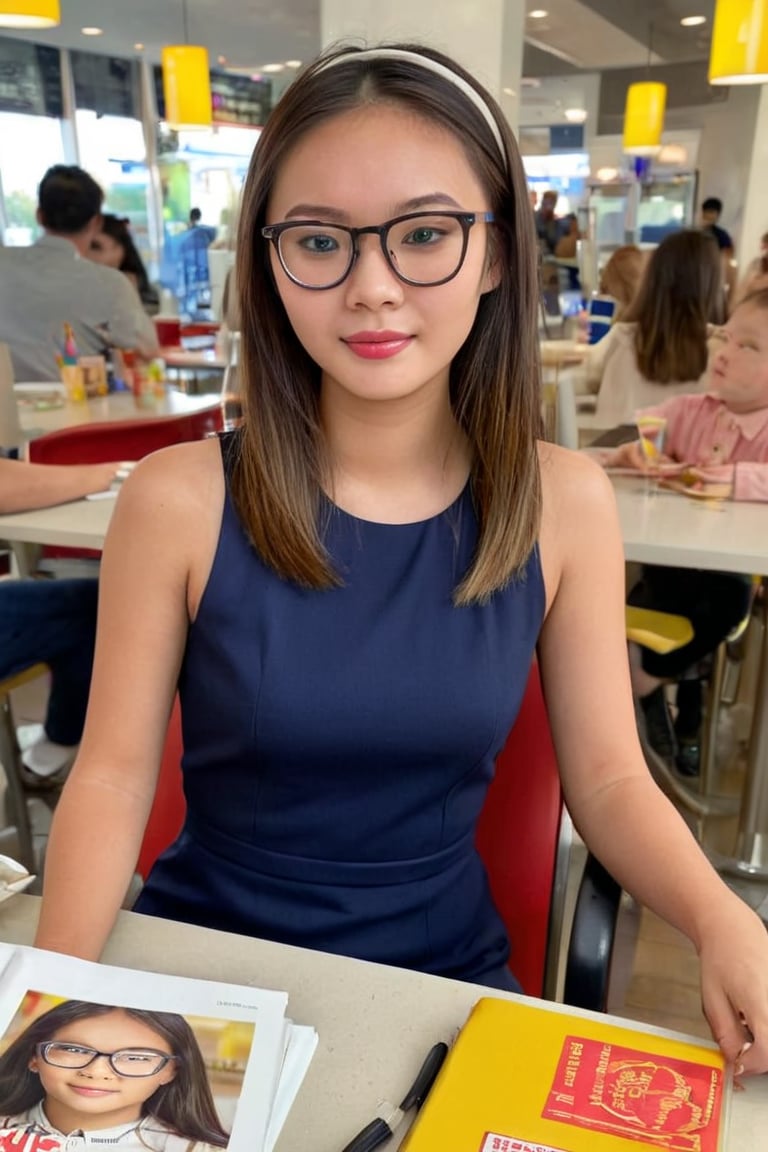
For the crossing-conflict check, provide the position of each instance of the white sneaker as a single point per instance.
(45, 758)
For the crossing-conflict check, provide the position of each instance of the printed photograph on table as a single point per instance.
(138, 1078)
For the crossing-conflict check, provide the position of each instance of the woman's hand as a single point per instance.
(734, 984)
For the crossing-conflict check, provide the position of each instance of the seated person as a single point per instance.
(51, 621)
(46, 285)
(660, 349)
(113, 246)
(723, 437)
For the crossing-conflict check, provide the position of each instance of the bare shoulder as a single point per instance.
(176, 481)
(578, 504)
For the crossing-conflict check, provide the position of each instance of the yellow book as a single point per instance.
(524, 1077)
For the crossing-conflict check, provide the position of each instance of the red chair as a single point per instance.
(523, 837)
(123, 439)
(119, 440)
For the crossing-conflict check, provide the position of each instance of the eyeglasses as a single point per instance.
(423, 249)
(126, 1061)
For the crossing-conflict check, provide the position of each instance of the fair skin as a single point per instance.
(397, 456)
(24, 487)
(106, 250)
(97, 1097)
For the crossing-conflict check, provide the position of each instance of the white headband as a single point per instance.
(431, 66)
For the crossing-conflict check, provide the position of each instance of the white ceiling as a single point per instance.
(577, 36)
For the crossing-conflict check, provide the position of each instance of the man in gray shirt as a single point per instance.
(50, 283)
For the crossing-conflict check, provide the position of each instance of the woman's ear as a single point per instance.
(33, 1066)
(492, 275)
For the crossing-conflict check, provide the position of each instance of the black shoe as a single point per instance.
(688, 758)
(659, 730)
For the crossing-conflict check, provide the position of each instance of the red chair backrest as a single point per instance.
(123, 439)
(517, 834)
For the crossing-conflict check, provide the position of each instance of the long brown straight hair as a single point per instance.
(680, 293)
(494, 379)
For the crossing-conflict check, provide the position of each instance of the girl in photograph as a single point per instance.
(114, 1076)
(349, 592)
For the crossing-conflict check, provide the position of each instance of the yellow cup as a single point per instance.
(72, 379)
(651, 430)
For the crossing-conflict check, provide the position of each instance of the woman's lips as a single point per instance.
(92, 1092)
(377, 345)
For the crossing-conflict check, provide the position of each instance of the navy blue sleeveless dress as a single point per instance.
(338, 746)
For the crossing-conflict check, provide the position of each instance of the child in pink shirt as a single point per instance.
(722, 437)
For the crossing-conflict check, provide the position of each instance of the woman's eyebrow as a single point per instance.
(337, 215)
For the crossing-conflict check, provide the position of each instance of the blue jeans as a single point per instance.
(52, 621)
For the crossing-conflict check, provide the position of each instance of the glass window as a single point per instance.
(112, 150)
(29, 145)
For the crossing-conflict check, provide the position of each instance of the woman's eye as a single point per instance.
(73, 1049)
(421, 236)
(320, 244)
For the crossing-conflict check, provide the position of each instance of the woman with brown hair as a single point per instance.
(350, 590)
(659, 349)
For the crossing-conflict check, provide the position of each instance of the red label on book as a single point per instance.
(659, 1101)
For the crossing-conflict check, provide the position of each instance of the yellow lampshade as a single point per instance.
(739, 53)
(644, 118)
(29, 13)
(186, 86)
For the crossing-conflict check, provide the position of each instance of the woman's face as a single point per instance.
(375, 337)
(106, 250)
(96, 1096)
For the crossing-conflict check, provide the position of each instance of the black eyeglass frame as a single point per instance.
(43, 1048)
(273, 232)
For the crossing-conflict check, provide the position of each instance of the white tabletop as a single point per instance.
(661, 527)
(36, 421)
(81, 524)
(375, 1024)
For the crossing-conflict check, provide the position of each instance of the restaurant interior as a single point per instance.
(631, 117)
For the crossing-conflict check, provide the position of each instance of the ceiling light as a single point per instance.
(273, 67)
(186, 82)
(221, 59)
(644, 118)
(509, 91)
(138, 46)
(607, 173)
(293, 63)
(739, 53)
(575, 115)
(538, 14)
(29, 13)
(89, 30)
(693, 21)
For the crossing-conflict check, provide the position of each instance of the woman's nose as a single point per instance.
(372, 282)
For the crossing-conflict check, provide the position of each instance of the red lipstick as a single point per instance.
(379, 344)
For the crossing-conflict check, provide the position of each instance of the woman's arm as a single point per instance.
(24, 487)
(156, 561)
(624, 818)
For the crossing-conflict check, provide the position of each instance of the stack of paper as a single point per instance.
(112, 1056)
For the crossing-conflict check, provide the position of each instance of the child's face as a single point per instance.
(740, 366)
(96, 1096)
(360, 168)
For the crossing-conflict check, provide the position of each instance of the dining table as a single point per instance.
(669, 528)
(375, 1023)
(44, 407)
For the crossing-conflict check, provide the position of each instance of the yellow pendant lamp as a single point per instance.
(644, 118)
(29, 13)
(739, 53)
(186, 83)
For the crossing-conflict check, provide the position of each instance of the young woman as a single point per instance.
(659, 348)
(123, 1076)
(114, 246)
(349, 592)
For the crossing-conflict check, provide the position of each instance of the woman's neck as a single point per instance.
(393, 461)
(66, 1119)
